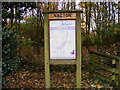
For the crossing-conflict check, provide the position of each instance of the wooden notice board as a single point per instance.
(62, 41)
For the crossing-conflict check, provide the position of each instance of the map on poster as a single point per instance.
(62, 39)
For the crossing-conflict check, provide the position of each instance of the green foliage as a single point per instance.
(112, 35)
(25, 41)
(87, 41)
(31, 32)
(107, 37)
(10, 60)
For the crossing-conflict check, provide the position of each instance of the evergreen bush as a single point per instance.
(10, 59)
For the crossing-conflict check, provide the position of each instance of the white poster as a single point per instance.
(62, 39)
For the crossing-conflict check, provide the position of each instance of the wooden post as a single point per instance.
(117, 67)
(78, 52)
(46, 52)
(119, 75)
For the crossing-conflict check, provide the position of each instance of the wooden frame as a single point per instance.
(76, 61)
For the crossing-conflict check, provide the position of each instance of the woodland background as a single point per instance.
(23, 36)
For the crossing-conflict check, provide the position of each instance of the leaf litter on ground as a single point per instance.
(28, 79)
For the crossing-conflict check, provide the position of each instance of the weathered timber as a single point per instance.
(63, 11)
(46, 45)
(104, 55)
(114, 70)
(103, 77)
(119, 75)
(106, 67)
(78, 51)
(63, 62)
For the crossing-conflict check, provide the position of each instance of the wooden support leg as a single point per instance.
(78, 57)
(47, 75)
(46, 51)
(119, 75)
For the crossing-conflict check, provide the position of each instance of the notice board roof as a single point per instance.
(63, 11)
